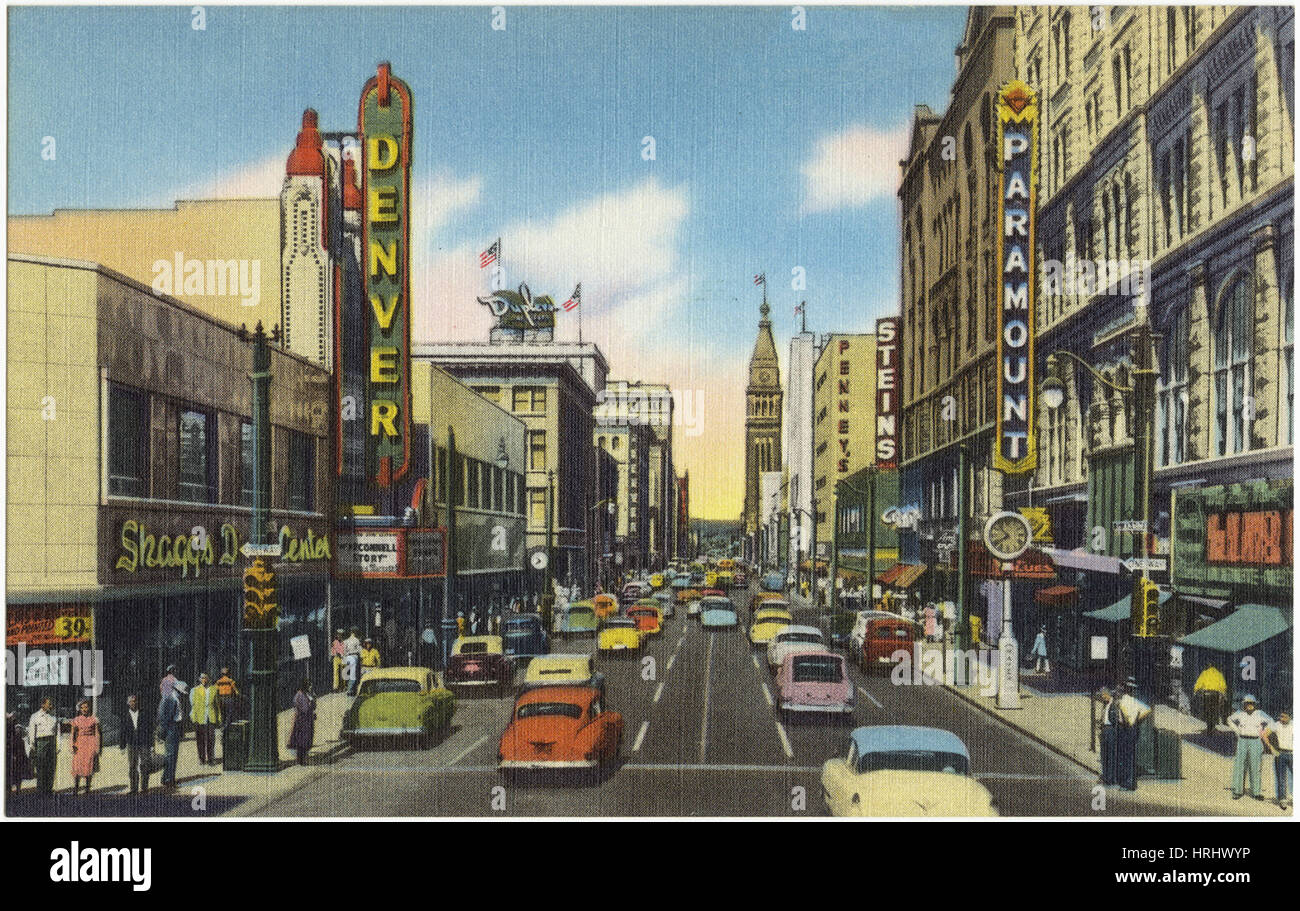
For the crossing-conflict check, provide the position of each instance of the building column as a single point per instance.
(1268, 340)
(1199, 368)
(1273, 144)
(1200, 165)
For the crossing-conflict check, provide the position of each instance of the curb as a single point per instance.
(322, 761)
(1031, 735)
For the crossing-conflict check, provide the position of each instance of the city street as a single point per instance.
(701, 738)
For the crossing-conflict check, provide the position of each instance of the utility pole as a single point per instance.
(962, 638)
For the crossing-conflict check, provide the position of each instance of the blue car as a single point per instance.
(718, 613)
(524, 636)
(773, 582)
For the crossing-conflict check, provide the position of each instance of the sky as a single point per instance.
(774, 149)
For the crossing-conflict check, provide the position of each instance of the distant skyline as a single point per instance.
(774, 149)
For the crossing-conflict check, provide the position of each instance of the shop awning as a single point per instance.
(1121, 609)
(889, 575)
(1081, 559)
(1056, 595)
(1247, 626)
(901, 575)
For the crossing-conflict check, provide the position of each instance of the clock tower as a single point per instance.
(762, 418)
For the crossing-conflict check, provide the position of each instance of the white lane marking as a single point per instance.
(785, 741)
(874, 701)
(1027, 776)
(469, 749)
(669, 666)
(767, 694)
(754, 658)
(708, 686)
(640, 736)
(688, 767)
(659, 692)
(631, 766)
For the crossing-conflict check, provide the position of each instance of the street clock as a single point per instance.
(538, 559)
(1007, 535)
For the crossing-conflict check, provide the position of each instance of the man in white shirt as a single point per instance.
(1108, 713)
(1130, 712)
(352, 660)
(1249, 725)
(1279, 742)
(43, 738)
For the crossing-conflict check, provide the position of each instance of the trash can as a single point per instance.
(1169, 755)
(1146, 747)
(234, 746)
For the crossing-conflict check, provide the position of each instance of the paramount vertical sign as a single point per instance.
(384, 122)
(1014, 447)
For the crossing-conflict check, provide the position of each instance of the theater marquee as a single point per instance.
(1015, 450)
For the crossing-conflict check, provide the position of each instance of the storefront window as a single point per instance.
(128, 441)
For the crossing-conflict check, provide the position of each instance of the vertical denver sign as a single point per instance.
(384, 122)
(1015, 449)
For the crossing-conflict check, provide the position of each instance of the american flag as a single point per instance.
(760, 279)
(799, 309)
(574, 299)
(490, 255)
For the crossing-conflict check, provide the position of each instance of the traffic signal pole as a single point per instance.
(1145, 602)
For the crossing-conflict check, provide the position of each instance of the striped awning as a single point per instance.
(1056, 595)
(901, 575)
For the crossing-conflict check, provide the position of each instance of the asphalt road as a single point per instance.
(701, 738)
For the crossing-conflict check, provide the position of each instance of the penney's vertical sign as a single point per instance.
(1015, 450)
(887, 384)
(384, 122)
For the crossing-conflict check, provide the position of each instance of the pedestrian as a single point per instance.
(205, 712)
(18, 768)
(1210, 689)
(227, 693)
(303, 731)
(168, 681)
(137, 742)
(1039, 652)
(473, 621)
(352, 660)
(336, 655)
(86, 744)
(369, 657)
(460, 623)
(43, 744)
(1280, 745)
(1108, 713)
(1249, 724)
(169, 732)
(1130, 713)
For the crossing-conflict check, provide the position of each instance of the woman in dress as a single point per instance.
(304, 721)
(85, 746)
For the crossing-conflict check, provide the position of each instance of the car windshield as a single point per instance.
(818, 669)
(914, 761)
(799, 637)
(619, 623)
(555, 709)
(561, 671)
(519, 626)
(889, 632)
(374, 687)
(578, 611)
(473, 648)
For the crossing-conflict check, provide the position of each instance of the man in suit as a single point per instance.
(1131, 713)
(169, 731)
(137, 741)
(1108, 716)
(205, 712)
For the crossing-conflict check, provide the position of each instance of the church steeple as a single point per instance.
(763, 397)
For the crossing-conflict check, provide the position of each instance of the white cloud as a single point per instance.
(252, 180)
(853, 167)
(439, 200)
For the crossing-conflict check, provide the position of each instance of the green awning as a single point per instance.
(1121, 610)
(1247, 626)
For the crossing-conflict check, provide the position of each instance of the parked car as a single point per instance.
(525, 636)
(606, 605)
(717, 613)
(895, 770)
(792, 639)
(562, 670)
(645, 614)
(884, 641)
(398, 702)
(859, 632)
(773, 599)
(578, 618)
(619, 634)
(774, 582)
(814, 682)
(768, 621)
(563, 727)
(480, 661)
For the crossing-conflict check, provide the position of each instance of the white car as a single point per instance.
(793, 640)
(859, 632)
(693, 609)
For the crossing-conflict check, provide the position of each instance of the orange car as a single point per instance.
(687, 595)
(561, 727)
(606, 606)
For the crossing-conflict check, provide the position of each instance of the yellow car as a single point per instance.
(710, 580)
(657, 580)
(767, 623)
(619, 634)
(897, 770)
(562, 670)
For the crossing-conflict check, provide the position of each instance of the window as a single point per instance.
(537, 505)
(302, 472)
(491, 393)
(440, 477)
(498, 482)
(246, 463)
(537, 450)
(530, 399)
(1171, 394)
(1233, 376)
(520, 507)
(197, 477)
(128, 442)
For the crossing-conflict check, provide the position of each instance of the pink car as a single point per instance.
(814, 682)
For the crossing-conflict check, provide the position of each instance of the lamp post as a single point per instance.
(1142, 396)
(449, 627)
(548, 592)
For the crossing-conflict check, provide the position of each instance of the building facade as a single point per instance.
(798, 411)
(844, 420)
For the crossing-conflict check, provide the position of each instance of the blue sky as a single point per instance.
(775, 148)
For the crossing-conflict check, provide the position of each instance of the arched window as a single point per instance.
(1171, 393)
(1233, 375)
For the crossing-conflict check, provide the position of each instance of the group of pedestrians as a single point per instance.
(1121, 714)
(353, 658)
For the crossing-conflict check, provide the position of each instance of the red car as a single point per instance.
(561, 727)
(884, 638)
(714, 592)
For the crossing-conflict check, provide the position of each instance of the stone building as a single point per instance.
(762, 424)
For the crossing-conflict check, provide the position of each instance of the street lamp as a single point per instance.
(503, 457)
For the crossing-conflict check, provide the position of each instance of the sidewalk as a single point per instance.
(247, 792)
(1060, 722)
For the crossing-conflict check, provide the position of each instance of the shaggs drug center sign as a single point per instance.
(1014, 447)
(384, 122)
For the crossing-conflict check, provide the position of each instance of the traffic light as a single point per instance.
(1146, 608)
(260, 606)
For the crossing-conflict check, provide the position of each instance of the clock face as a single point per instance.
(765, 377)
(1007, 535)
(539, 559)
